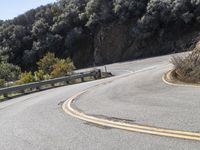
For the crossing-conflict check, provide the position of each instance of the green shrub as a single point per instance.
(2, 82)
(26, 77)
(39, 75)
(46, 63)
(9, 72)
(51, 67)
(47, 77)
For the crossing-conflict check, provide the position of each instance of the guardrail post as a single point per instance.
(38, 88)
(31, 89)
(82, 79)
(22, 91)
(105, 68)
(97, 74)
(95, 77)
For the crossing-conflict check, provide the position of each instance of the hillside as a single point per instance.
(100, 31)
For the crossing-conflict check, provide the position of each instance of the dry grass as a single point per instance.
(188, 68)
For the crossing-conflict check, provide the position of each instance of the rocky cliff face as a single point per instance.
(114, 43)
(111, 42)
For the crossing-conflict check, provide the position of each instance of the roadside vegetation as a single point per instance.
(188, 68)
(68, 28)
(38, 44)
(48, 67)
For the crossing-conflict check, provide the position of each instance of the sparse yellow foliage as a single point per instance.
(26, 77)
(39, 75)
(2, 82)
(62, 67)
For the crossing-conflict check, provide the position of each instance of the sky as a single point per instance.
(12, 8)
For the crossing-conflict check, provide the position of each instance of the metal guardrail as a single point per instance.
(37, 85)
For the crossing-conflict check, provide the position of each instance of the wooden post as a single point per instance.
(99, 74)
(105, 68)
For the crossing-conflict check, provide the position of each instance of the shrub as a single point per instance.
(9, 72)
(62, 67)
(188, 68)
(46, 63)
(2, 82)
(47, 77)
(26, 77)
(39, 75)
(50, 66)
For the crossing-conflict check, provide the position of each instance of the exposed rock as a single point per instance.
(111, 42)
(114, 43)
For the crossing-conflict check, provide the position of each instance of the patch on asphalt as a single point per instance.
(96, 125)
(61, 103)
(115, 119)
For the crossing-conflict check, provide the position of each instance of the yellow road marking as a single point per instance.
(67, 107)
(177, 84)
(126, 126)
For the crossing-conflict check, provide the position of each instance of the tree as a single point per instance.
(1, 22)
(126, 9)
(98, 11)
(63, 25)
(40, 27)
(29, 58)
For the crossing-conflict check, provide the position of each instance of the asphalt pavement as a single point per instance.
(38, 122)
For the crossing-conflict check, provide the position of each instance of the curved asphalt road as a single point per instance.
(37, 121)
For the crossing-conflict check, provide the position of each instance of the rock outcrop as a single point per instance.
(114, 43)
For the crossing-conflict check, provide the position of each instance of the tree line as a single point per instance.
(60, 27)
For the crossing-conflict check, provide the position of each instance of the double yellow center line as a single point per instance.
(67, 107)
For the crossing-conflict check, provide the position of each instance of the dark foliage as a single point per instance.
(64, 27)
